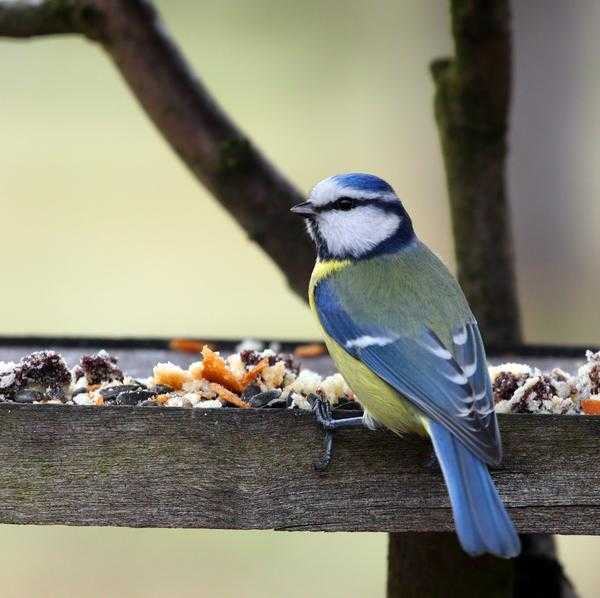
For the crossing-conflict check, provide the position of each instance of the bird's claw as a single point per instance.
(325, 461)
(431, 462)
(323, 416)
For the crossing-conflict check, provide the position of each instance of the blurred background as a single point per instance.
(104, 232)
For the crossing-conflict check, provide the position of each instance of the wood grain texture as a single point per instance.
(251, 469)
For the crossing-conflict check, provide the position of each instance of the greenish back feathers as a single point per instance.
(402, 291)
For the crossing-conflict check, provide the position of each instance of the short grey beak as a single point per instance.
(304, 209)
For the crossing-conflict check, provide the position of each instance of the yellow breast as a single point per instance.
(320, 271)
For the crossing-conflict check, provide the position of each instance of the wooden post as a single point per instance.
(471, 108)
(433, 564)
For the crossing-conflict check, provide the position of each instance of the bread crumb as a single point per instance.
(193, 398)
(215, 404)
(333, 388)
(236, 365)
(201, 388)
(171, 375)
(300, 402)
(307, 382)
(174, 401)
(273, 375)
(195, 370)
(83, 399)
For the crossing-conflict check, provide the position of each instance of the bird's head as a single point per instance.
(355, 216)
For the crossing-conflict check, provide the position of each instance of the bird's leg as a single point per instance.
(432, 462)
(324, 417)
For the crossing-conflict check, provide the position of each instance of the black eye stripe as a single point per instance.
(342, 204)
(380, 203)
(345, 203)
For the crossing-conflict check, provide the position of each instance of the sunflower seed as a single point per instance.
(112, 392)
(133, 397)
(29, 396)
(263, 399)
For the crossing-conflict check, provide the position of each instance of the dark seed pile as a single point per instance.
(98, 368)
(519, 388)
(41, 374)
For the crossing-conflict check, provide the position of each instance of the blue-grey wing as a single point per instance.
(450, 385)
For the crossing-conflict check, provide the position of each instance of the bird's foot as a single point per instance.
(431, 461)
(323, 414)
(324, 417)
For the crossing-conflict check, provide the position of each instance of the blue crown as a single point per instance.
(363, 182)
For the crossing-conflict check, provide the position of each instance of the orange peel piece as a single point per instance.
(591, 406)
(161, 399)
(252, 374)
(228, 396)
(310, 350)
(214, 369)
(186, 345)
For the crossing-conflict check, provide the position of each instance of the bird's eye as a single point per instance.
(345, 203)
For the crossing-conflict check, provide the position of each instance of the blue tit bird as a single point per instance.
(401, 332)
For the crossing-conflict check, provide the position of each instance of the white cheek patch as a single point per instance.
(309, 229)
(357, 231)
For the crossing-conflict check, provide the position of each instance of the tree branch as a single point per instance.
(471, 107)
(29, 18)
(220, 155)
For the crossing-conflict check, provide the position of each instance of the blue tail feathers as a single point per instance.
(482, 523)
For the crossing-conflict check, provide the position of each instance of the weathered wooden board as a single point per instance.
(249, 469)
